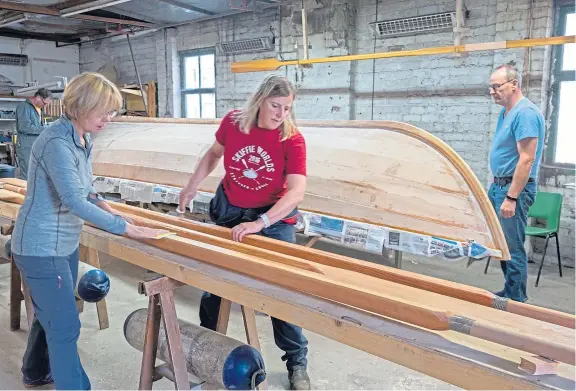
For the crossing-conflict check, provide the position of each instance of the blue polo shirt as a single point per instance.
(523, 121)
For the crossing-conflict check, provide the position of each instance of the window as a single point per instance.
(562, 132)
(198, 83)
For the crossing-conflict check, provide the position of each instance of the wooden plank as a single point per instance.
(399, 302)
(455, 290)
(223, 316)
(364, 293)
(174, 341)
(9, 196)
(229, 244)
(312, 241)
(456, 358)
(249, 317)
(158, 285)
(16, 296)
(152, 99)
(271, 64)
(150, 343)
(452, 289)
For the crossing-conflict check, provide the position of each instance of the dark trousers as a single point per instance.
(52, 342)
(288, 337)
(516, 269)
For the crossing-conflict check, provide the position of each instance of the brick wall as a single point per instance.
(443, 94)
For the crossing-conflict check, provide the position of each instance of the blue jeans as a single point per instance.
(52, 342)
(516, 269)
(288, 337)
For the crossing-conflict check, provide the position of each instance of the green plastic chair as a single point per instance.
(546, 206)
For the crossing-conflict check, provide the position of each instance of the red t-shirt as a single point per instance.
(256, 164)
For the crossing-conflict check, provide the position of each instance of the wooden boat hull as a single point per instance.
(386, 173)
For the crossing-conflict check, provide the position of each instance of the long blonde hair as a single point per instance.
(271, 86)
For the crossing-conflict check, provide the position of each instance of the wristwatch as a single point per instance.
(511, 198)
(264, 218)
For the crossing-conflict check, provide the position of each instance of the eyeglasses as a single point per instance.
(109, 115)
(497, 86)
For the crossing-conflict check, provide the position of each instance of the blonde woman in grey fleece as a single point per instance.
(46, 236)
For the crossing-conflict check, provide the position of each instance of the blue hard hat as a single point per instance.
(93, 286)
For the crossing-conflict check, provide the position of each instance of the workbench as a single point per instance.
(454, 358)
(449, 355)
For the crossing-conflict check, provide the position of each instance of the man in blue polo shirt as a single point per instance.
(515, 162)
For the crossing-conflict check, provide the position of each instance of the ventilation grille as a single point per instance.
(13, 59)
(416, 25)
(246, 46)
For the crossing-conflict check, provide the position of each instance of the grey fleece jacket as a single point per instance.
(58, 195)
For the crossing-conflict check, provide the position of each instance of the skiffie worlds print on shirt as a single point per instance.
(249, 166)
(257, 163)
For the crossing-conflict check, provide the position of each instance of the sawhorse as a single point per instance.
(161, 306)
(19, 292)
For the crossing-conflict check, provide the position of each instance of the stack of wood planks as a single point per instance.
(455, 311)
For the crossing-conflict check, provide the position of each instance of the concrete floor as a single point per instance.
(112, 363)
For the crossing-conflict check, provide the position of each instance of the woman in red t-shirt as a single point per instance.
(265, 163)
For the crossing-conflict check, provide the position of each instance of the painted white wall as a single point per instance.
(45, 61)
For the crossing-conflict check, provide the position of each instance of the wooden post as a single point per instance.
(150, 343)
(16, 296)
(90, 256)
(312, 241)
(151, 96)
(252, 335)
(174, 341)
(223, 316)
(161, 306)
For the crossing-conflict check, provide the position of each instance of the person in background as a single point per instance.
(29, 124)
(515, 157)
(46, 237)
(265, 163)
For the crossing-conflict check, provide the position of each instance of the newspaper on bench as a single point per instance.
(350, 233)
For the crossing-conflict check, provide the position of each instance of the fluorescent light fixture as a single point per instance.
(93, 5)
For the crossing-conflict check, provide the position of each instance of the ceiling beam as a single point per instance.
(125, 22)
(188, 7)
(136, 15)
(11, 33)
(91, 6)
(68, 3)
(40, 24)
(36, 9)
(8, 20)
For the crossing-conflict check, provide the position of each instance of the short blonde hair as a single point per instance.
(88, 92)
(271, 86)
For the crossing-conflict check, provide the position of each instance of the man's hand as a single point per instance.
(508, 208)
(241, 230)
